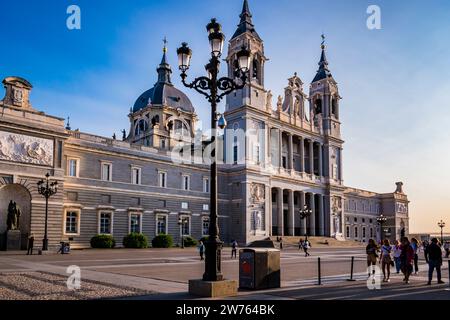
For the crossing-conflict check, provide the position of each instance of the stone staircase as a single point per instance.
(317, 242)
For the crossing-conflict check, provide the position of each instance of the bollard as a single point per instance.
(351, 270)
(319, 272)
(448, 289)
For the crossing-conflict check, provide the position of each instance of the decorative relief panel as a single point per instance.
(258, 193)
(26, 149)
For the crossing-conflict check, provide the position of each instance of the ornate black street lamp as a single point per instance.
(305, 213)
(47, 190)
(209, 87)
(441, 225)
(381, 220)
(181, 222)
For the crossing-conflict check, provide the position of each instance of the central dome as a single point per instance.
(164, 92)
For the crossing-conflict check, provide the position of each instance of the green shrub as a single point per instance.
(103, 241)
(162, 241)
(189, 242)
(135, 241)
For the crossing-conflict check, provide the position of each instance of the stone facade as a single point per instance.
(290, 155)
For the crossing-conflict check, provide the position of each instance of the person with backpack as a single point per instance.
(407, 259)
(372, 255)
(397, 253)
(386, 260)
(433, 256)
(234, 246)
(306, 247)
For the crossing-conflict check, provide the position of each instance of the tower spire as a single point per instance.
(164, 70)
(246, 23)
(323, 71)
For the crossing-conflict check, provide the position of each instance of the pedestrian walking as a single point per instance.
(425, 245)
(386, 260)
(397, 250)
(281, 243)
(300, 245)
(201, 250)
(30, 244)
(306, 247)
(434, 259)
(447, 249)
(372, 255)
(234, 246)
(415, 247)
(407, 259)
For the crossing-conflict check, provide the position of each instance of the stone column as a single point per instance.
(268, 216)
(267, 159)
(320, 161)
(280, 211)
(291, 153)
(280, 148)
(302, 154)
(321, 217)
(312, 218)
(302, 221)
(341, 176)
(291, 217)
(311, 156)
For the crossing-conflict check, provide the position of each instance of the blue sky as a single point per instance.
(394, 81)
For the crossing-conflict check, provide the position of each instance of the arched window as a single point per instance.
(308, 112)
(255, 70)
(334, 107)
(318, 106)
(179, 128)
(141, 127)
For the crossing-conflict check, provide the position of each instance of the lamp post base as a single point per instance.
(213, 289)
(45, 245)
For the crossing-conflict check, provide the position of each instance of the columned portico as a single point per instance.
(291, 218)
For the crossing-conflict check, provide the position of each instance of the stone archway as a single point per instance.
(22, 197)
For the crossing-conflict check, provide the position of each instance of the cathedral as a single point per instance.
(118, 185)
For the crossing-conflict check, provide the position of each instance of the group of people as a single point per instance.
(201, 249)
(404, 257)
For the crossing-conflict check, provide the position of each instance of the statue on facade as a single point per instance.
(13, 217)
(269, 101)
(280, 103)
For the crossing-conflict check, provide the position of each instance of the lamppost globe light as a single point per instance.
(184, 57)
(216, 41)
(243, 57)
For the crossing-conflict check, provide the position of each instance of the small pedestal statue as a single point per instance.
(13, 234)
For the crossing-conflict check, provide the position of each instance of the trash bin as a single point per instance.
(259, 269)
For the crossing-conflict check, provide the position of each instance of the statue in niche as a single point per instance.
(297, 106)
(13, 217)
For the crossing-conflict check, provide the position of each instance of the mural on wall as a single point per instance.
(25, 149)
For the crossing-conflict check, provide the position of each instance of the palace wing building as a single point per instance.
(112, 186)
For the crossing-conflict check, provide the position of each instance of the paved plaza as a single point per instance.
(164, 274)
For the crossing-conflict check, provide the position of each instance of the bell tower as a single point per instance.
(324, 102)
(253, 94)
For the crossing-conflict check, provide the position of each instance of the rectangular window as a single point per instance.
(105, 223)
(72, 222)
(235, 154)
(106, 171)
(206, 185)
(186, 183)
(135, 223)
(356, 232)
(205, 226)
(161, 224)
(371, 232)
(162, 179)
(364, 232)
(184, 205)
(73, 168)
(206, 207)
(136, 175)
(348, 232)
